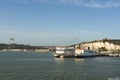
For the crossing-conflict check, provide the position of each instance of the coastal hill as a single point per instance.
(112, 45)
(107, 45)
(22, 47)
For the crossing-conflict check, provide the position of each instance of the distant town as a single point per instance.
(23, 48)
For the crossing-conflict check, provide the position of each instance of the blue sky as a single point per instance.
(58, 22)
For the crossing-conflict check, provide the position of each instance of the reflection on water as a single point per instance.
(43, 66)
(59, 59)
(113, 78)
(79, 59)
(62, 59)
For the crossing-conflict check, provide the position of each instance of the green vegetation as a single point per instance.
(102, 49)
(116, 42)
(3, 46)
(118, 50)
(20, 46)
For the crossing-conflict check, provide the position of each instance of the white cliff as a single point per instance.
(110, 45)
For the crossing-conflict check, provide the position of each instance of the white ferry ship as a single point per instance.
(73, 52)
(64, 51)
(59, 51)
(84, 53)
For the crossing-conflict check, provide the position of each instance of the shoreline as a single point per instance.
(25, 50)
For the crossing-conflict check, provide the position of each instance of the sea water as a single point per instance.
(43, 66)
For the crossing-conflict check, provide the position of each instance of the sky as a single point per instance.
(58, 22)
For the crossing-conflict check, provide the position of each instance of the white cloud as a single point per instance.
(83, 3)
(89, 32)
(102, 5)
(86, 3)
(49, 37)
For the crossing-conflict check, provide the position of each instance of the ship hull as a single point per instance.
(86, 56)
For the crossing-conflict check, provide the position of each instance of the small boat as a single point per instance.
(79, 53)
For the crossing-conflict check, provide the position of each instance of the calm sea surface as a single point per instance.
(43, 66)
